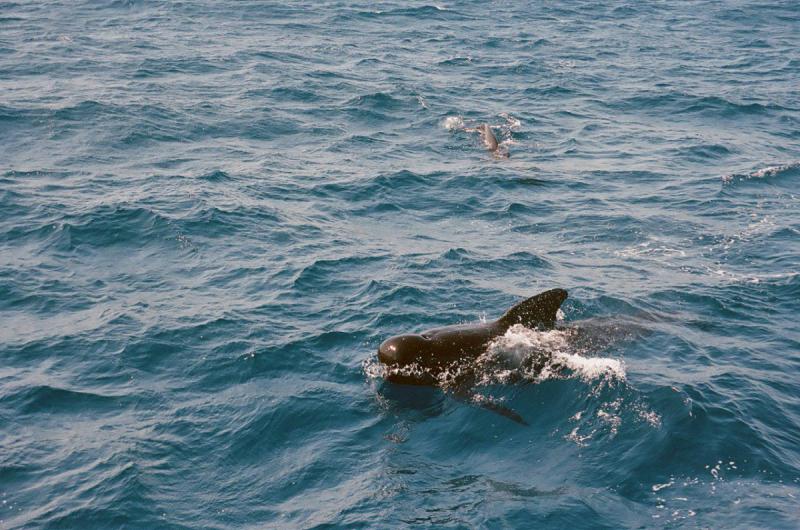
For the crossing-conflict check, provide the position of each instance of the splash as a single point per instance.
(773, 171)
(453, 123)
(373, 368)
(589, 368)
(513, 123)
(542, 355)
(457, 123)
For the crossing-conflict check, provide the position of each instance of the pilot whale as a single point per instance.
(417, 359)
(489, 139)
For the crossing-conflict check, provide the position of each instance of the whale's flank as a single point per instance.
(437, 350)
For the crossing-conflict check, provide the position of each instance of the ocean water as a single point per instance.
(212, 212)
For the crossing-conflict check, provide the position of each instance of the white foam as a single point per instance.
(592, 367)
(520, 344)
(374, 369)
(652, 248)
(771, 171)
(563, 63)
(513, 123)
(751, 278)
(648, 416)
(580, 439)
(766, 172)
(659, 487)
(453, 123)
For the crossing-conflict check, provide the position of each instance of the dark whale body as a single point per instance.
(434, 351)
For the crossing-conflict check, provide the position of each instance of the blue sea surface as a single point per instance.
(212, 212)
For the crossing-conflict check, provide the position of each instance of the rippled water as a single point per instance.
(211, 213)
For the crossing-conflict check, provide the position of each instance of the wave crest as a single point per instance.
(765, 172)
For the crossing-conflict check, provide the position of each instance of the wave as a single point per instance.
(103, 227)
(768, 172)
(377, 101)
(51, 399)
(421, 12)
(686, 103)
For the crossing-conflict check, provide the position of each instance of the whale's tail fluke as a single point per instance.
(540, 309)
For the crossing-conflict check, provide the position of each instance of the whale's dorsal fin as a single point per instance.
(489, 138)
(539, 309)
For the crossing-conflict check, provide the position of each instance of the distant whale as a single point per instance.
(422, 358)
(489, 139)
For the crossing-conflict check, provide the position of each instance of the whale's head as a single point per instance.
(403, 350)
(410, 359)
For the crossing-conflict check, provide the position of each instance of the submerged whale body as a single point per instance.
(418, 359)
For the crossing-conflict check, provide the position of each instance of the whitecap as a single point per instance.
(772, 171)
(513, 123)
(453, 123)
(766, 172)
(650, 248)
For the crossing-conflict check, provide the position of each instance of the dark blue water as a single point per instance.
(211, 213)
